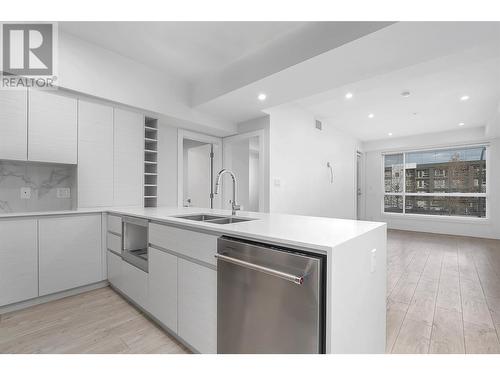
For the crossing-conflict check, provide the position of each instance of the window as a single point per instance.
(442, 182)
(439, 184)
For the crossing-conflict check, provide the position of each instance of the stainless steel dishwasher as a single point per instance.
(269, 299)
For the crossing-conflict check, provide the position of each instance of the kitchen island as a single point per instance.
(179, 290)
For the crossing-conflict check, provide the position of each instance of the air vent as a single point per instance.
(319, 125)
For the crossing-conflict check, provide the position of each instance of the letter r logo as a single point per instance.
(27, 49)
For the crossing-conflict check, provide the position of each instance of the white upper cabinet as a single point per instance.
(52, 128)
(18, 261)
(69, 252)
(95, 155)
(128, 158)
(13, 124)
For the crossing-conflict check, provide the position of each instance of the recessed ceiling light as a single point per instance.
(348, 95)
(262, 97)
(405, 94)
(464, 98)
(389, 134)
(371, 115)
(461, 123)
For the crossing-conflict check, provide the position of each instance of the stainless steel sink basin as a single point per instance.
(215, 219)
(200, 217)
(229, 220)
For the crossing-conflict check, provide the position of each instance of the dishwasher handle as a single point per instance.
(299, 280)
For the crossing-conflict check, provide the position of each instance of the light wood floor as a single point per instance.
(443, 297)
(443, 294)
(99, 321)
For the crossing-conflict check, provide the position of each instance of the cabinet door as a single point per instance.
(115, 270)
(163, 287)
(52, 130)
(134, 284)
(95, 155)
(197, 321)
(18, 261)
(13, 124)
(69, 252)
(128, 158)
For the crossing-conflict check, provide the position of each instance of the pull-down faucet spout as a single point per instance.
(235, 206)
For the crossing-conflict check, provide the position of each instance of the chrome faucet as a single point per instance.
(235, 206)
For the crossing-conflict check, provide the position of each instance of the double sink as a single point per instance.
(214, 219)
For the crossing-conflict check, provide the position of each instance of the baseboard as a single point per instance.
(52, 297)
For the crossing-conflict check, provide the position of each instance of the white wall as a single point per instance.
(374, 187)
(298, 157)
(91, 70)
(167, 165)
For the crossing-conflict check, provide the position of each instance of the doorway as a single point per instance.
(199, 159)
(244, 156)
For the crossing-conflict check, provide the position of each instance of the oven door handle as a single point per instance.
(299, 280)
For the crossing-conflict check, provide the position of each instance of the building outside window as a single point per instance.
(445, 182)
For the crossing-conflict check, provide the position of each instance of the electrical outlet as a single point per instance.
(25, 192)
(63, 193)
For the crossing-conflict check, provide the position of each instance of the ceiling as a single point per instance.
(187, 50)
(434, 103)
(313, 64)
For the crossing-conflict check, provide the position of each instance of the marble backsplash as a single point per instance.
(43, 180)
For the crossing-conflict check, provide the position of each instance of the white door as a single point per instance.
(128, 158)
(14, 124)
(52, 128)
(197, 299)
(95, 155)
(197, 179)
(18, 261)
(359, 185)
(69, 252)
(163, 287)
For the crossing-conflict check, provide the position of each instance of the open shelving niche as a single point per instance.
(150, 162)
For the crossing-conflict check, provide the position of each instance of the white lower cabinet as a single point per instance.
(197, 310)
(18, 261)
(114, 269)
(134, 283)
(163, 287)
(69, 252)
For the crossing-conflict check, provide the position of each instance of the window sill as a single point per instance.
(450, 219)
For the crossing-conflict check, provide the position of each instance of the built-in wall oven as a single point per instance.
(269, 299)
(135, 242)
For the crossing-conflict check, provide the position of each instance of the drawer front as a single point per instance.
(114, 243)
(192, 244)
(134, 283)
(115, 224)
(114, 270)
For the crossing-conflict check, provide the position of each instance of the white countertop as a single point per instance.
(318, 233)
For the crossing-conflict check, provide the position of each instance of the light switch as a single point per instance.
(25, 192)
(277, 182)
